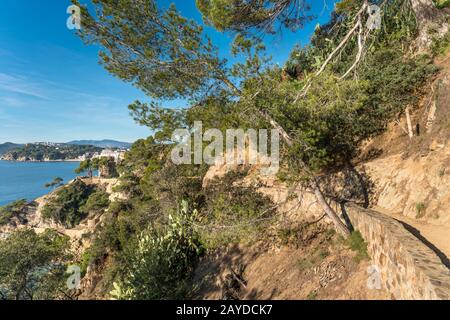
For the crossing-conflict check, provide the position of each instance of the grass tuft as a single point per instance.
(356, 243)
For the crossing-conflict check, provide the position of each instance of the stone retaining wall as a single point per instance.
(409, 269)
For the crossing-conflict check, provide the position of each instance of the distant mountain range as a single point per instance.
(47, 151)
(102, 143)
(8, 146)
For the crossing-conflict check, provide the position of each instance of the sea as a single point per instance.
(26, 180)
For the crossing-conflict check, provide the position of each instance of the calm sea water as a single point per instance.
(26, 180)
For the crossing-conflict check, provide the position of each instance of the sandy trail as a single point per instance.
(436, 235)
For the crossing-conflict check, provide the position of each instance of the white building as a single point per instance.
(117, 155)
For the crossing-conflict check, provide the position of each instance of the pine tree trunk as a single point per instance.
(338, 224)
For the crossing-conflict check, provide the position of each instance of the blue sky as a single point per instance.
(53, 89)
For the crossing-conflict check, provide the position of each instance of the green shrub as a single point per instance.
(288, 234)
(66, 206)
(328, 124)
(356, 243)
(442, 3)
(420, 210)
(393, 83)
(159, 263)
(97, 202)
(32, 266)
(85, 261)
(299, 63)
(11, 210)
(124, 221)
(440, 45)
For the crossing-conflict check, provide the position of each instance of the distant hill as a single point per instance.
(102, 143)
(48, 152)
(5, 147)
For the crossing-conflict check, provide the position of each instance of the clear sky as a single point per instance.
(53, 89)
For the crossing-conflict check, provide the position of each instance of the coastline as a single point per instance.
(42, 161)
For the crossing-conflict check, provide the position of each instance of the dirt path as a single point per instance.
(437, 236)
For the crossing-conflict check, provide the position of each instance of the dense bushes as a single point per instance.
(11, 210)
(97, 202)
(124, 222)
(65, 207)
(159, 263)
(74, 202)
(32, 266)
(227, 212)
(399, 28)
(335, 115)
(440, 45)
(442, 3)
(330, 122)
(394, 82)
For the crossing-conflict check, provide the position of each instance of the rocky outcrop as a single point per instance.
(415, 187)
(10, 157)
(31, 217)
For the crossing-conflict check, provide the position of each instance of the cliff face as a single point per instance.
(81, 236)
(31, 217)
(418, 187)
(19, 219)
(5, 147)
(10, 157)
